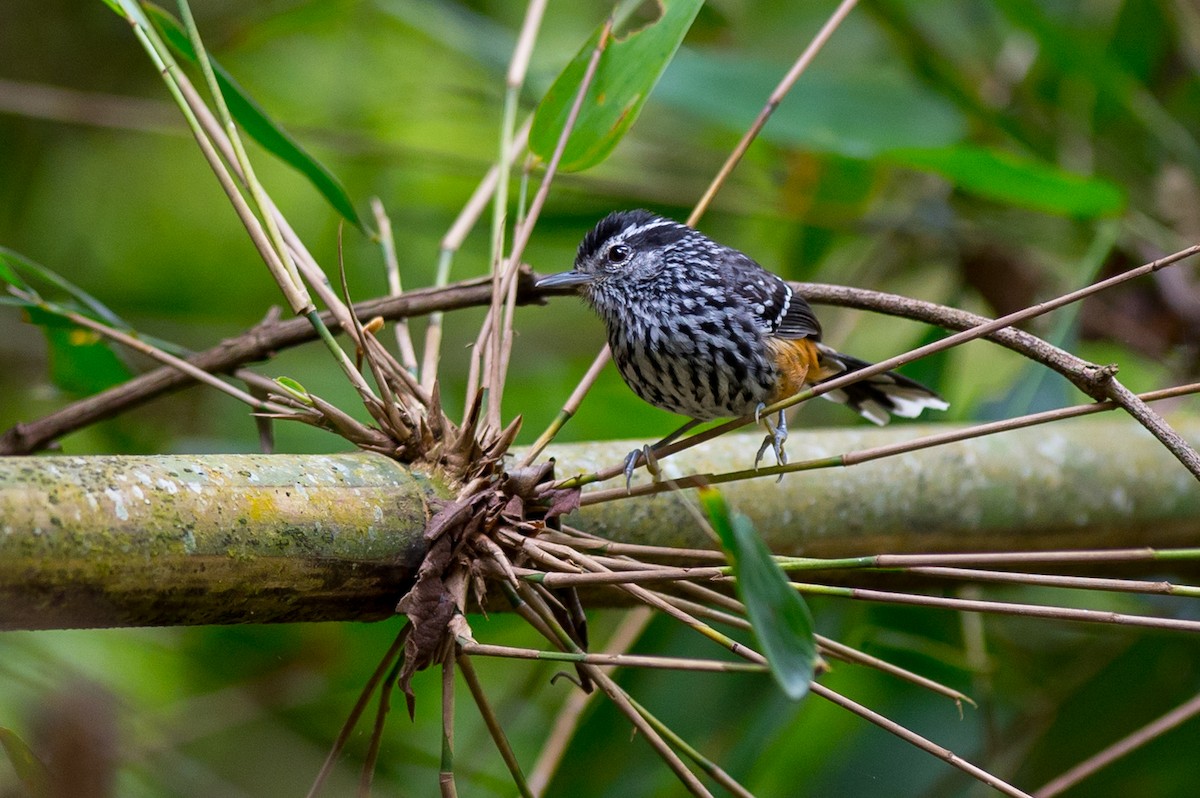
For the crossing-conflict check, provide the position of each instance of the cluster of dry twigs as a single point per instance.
(503, 531)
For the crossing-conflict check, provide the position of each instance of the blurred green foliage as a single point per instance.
(971, 153)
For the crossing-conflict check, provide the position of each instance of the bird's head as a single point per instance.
(624, 249)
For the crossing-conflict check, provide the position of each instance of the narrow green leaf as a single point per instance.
(627, 71)
(254, 120)
(8, 271)
(129, 11)
(30, 770)
(10, 261)
(780, 617)
(81, 362)
(13, 268)
(1015, 180)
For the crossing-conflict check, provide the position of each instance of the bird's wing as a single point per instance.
(780, 310)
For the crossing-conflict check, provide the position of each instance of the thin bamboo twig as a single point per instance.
(303, 259)
(451, 243)
(785, 86)
(569, 716)
(366, 775)
(863, 455)
(514, 79)
(706, 765)
(827, 645)
(1184, 712)
(617, 695)
(1160, 587)
(917, 740)
(212, 136)
(614, 660)
(138, 345)
(216, 134)
(1002, 608)
(631, 576)
(1082, 556)
(988, 558)
(514, 82)
(620, 563)
(704, 610)
(174, 78)
(571, 407)
(356, 711)
(637, 573)
(605, 546)
(537, 550)
(501, 335)
(404, 344)
(495, 729)
(630, 710)
(527, 613)
(713, 597)
(282, 267)
(446, 768)
(845, 653)
(1006, 425)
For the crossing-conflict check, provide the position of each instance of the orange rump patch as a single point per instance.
(795, 359)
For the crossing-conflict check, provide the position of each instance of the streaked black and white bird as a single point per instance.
(701, 329)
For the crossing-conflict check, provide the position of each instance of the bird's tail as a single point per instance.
(880, 397)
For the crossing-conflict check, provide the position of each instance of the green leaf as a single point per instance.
(627, 71)
(30, 770)
(858, 115)
(129, 11)
(254, 120)
(1014, 180)
(10, 261)
(294, 390)
(780, 617)
(9, 274)
(81, 361)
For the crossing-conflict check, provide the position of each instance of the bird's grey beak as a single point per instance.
(563, 279)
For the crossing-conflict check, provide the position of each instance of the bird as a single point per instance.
(701, 329)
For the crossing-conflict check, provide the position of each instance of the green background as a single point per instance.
(980, 154)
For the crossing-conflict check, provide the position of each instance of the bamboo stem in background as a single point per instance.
(177, 540)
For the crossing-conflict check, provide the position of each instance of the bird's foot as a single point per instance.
(776, 436)
(637, 457)
(631, 463)
(649, 454)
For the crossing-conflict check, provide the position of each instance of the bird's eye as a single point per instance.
(619, 253)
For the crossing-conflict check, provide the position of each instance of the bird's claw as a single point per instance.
(774, 440)
(643, 455)
(638, 457)
(631, 463)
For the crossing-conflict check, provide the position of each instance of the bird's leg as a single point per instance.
(776, 436)
(648, 454)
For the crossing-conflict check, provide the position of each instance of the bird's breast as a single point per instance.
(708, 364)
